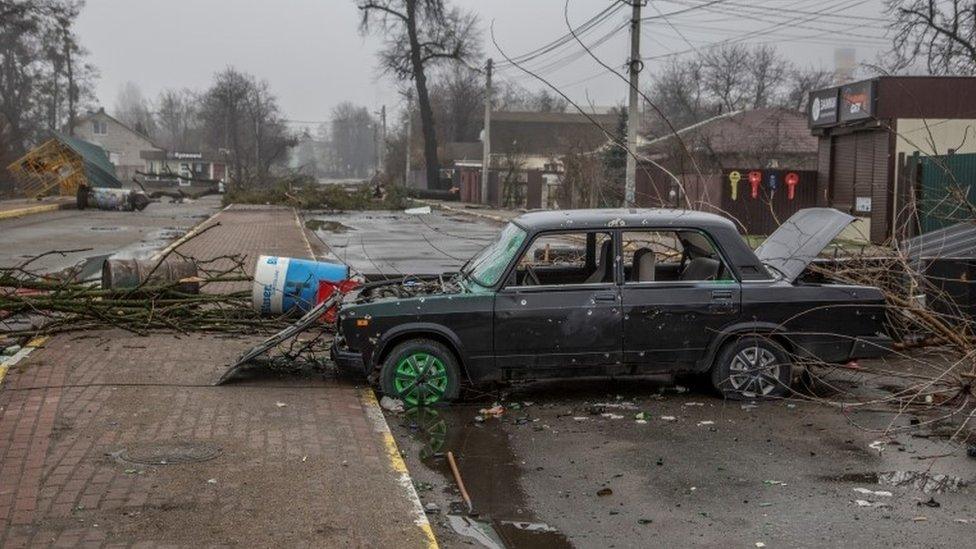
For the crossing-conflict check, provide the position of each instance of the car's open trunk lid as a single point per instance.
(800, 239)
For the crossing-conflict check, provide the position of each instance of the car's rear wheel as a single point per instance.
(421, 372)
(752, 367)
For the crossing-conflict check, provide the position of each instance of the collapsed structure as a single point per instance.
(63, 163)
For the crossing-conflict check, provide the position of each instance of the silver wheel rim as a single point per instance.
(754, 371)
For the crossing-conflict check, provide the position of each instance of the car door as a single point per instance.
(568, 323)
(669, 319)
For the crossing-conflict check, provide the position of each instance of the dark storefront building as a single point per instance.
(869, 133)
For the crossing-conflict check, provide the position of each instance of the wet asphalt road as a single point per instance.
(569, 464)
(122, 234)
(574, 463)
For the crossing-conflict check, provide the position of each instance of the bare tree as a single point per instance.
(723, 70)
(178, 119)
(944, 33)
(767, 70)
(241, 116)
(353, 140)
(133, 110)
(43, 77)
(679, 91)
(457, 99)
(420, 34)
(802, 82)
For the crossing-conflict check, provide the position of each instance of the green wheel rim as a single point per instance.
(420, 379)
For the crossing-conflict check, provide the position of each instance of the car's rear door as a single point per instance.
(670, 319)
(562, 326)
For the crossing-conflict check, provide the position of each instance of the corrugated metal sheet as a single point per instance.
(956, 242)
(945, 181)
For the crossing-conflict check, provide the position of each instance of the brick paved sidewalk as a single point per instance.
(296, 460)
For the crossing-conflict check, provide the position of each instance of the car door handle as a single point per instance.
(605, 296)
(721, 294)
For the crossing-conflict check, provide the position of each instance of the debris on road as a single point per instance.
(867, 492)
(390, 404)
(604, 492)
(460, 482)
(495, 411)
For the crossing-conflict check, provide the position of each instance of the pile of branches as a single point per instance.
(33, 303)
(932, 369)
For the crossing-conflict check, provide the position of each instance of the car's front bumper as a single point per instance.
(871, 346)
(345, 358)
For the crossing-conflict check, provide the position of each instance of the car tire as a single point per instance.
(441, 381)
(752, 367)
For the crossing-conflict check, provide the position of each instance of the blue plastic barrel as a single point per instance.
(282, 283)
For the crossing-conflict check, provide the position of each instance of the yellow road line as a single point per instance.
(375, 415)
(30, 210)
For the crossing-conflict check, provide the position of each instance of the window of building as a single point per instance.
(668, 256)
(99, 127)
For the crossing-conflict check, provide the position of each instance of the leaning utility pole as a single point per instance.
(486, 136)
(633, 117)
(406, 173)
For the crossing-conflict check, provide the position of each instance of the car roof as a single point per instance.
(543, 220)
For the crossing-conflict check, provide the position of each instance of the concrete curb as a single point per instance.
(10, 361)
(399, 467)
(31, 210)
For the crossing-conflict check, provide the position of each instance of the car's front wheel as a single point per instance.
(752, 367)
(421, 372)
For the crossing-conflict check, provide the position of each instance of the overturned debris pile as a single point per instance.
(33, 304)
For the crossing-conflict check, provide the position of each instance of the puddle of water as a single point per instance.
(490, 473)
(920, 480)
(324, 225)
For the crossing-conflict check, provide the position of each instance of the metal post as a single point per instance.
(486, 135)
(633, 117)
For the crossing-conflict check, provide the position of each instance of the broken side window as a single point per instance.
(667, 255)
(579, 257)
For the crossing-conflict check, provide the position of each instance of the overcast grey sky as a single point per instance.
(312, 54)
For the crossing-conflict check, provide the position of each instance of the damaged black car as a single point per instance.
(615, 293)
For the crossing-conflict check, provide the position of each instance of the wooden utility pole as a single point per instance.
(633, 116)
(406, 173)
(486, 135)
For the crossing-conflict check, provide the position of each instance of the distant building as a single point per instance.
(124, 145)
(540, 139)
(530, 145)
(169, 165)
(875, 137)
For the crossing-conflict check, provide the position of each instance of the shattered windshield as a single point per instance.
(486, 267)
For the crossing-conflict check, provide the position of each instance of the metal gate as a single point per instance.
(947, 190)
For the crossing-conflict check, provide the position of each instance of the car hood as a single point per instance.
(800, 239)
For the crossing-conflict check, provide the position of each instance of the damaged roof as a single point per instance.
(98, 169)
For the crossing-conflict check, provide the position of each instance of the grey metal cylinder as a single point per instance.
(129, 273)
